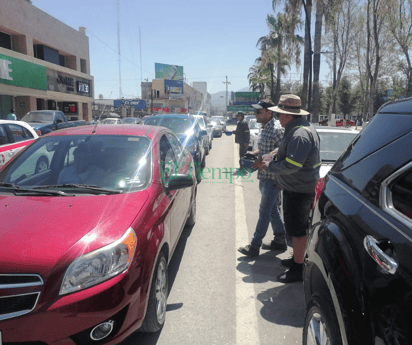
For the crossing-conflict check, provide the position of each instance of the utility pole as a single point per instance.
(118, 48)
(141, 68)
(227, 83)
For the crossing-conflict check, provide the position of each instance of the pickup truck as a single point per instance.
(46, 121)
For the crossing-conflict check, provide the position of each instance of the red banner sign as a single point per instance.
(156, 109)
(166, 110)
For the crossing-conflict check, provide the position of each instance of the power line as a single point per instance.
(117, 52)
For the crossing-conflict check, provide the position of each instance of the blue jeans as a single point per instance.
(269, 213)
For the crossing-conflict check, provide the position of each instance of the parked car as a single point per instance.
(357, 273)
(131, 121)
(112, 121)
(222, 120)
(14, 136)
(249, 118)
(200, 119)
(189, 134)
(96, 249)
(46, 121)
(217, 127)
(232, 121)
(144, 118)
(333, 142)
(339, 123)
(255, 128)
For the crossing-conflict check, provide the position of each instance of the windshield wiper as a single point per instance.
(32, 191)
(82, 186)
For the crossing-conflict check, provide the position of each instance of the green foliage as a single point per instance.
(344, 101)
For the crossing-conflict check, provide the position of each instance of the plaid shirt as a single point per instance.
(270, 138)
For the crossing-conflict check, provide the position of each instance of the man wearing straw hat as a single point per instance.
(296, 171)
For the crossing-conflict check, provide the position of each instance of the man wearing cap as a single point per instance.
(242, 137)
(297, 171)
(269, 139)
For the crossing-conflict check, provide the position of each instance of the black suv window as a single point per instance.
(402, 195)
(372, 138)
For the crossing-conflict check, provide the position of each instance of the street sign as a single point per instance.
(239, 108)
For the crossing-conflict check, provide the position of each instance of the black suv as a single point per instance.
(358, 261)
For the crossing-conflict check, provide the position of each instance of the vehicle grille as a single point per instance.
(15, 305)
(19, 280)
(27, 343)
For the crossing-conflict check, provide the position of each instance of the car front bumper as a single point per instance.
(68, 319)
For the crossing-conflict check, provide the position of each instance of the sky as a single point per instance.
(210, 39)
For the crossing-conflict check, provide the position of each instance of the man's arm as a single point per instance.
(297, 151)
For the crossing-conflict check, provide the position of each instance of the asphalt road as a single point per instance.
(217, 296)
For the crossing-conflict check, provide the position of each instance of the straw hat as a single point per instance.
(289, 104)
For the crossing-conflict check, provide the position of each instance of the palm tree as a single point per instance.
(258, 78)
(283, 40)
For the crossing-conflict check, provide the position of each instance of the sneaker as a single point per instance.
(249, 250)
(275, 246)
(292, 275)
(287, 262)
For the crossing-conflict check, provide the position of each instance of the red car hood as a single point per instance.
(36, 232)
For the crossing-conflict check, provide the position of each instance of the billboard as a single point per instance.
(171, 72)
(173, 87)
(138, 104)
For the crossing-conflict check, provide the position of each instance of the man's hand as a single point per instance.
(259, 164)
(255, 153)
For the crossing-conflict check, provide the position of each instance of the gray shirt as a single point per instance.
(298, 158)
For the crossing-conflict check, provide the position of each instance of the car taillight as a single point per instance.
(38, 132)
(318, 190)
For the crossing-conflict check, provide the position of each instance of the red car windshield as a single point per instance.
(121, 163)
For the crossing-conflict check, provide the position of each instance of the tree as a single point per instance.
(399, 20)
(281, 42)
(345, 102)
(316, 61)
(342, 31)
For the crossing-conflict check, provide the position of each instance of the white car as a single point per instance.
(255, 128)
(200, 119)
(333, 141)
(112, 121)
(14, 136)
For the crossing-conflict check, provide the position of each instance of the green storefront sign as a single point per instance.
(22, 73)
(239, 108)
(247, 94)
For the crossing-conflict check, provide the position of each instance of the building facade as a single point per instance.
(44, 63)
(162, 99)
(207, 97)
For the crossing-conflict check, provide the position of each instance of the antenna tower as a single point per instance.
(118, 48)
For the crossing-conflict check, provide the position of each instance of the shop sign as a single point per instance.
(138, 104)
(70, 107)
(83, 87)
(156, 109)
(166, 110)
(22, 73)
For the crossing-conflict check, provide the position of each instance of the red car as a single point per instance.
(85, 244)
(339, 123)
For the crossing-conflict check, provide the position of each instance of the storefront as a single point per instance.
(26, 86)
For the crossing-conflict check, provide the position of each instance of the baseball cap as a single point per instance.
(263, 105)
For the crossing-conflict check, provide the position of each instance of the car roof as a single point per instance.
(138, 130)
(336, 129)
(21, 123)
(179, 116)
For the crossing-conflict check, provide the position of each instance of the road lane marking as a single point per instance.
(246, 317)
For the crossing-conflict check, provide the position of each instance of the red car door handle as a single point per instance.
(385, 261)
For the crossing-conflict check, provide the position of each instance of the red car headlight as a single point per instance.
(100, 265)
